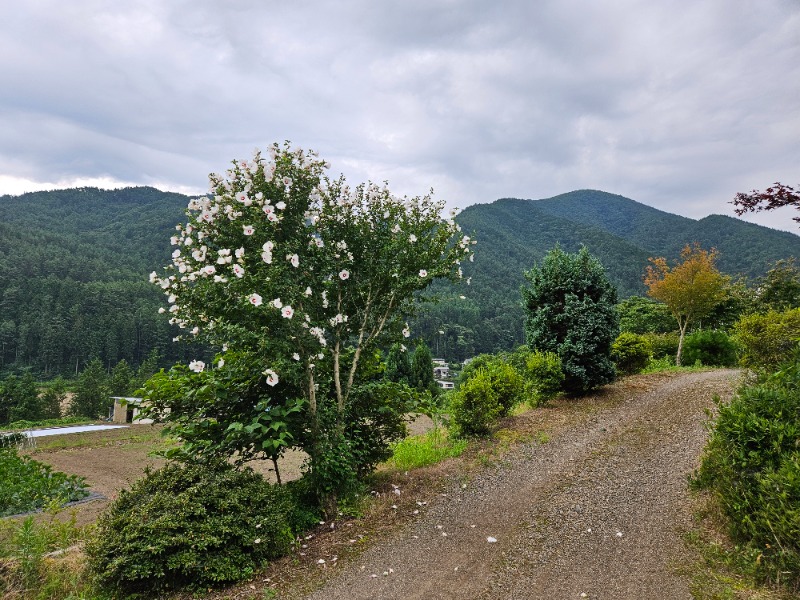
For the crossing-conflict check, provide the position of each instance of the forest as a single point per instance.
(74, 268)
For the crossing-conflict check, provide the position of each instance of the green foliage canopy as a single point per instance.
(570, 312)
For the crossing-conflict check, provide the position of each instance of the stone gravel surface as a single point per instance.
(595, 512)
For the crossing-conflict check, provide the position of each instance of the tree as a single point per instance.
(296, 278)
(777, 196)
(779, 289)
(570, 311)
(92, 394)
(121, 379)
(398, 365)
(27, 405)
(690, 289)
(643, 315)
(53, 398)
(422, 368)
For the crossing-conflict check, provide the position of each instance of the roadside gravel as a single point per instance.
(595, 512)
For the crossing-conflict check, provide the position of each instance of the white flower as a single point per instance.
(341, 245)
(280, 205)
(491, 540)
(268, 209)
(463, 297)
(254, 299)
(239, 252)
(271, 217)
(319, 242)
(406, 331)
(238, 270)
(208, 270)
(268, 246)
(277, 303)
(423, 273)
(412, 238)
(471, 258)
(162, 310)
(344, 274)
(187, 241)
(396, 228)
(197, 366)
(221, 363)
(175, 254)
(469, 280)
(248, 229)
(293, 259)
(242, 197)
(195, 330)
(153, 277)
(308, 291)
(296, 356)
(272, 377)
(287, 312)
(266, 257)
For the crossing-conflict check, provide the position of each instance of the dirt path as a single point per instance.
(596, 512)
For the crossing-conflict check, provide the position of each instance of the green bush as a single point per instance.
(506, 381)
(766, 340)
(544, 377)
(631, 353)
(29, 485)
(190, 526)
(663, 344)
(752, 464)
(712, 348)
(475, 406)
(570, 310)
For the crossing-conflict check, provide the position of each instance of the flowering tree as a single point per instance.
(298, 279)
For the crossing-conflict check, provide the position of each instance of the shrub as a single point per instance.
(766, 340)
(475, 406)
(190, 526)
(663, 344)
(570, 307)
(712, 348)
(752, 464)
(631, 353)
(506, 381)
(544, 377)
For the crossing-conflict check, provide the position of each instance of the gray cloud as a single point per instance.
(677, 105)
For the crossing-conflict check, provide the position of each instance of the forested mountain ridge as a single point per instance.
(74, 266)
(513, 233)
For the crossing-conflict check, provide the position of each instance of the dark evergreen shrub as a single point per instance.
(190, 526)
(711, 348)
(570, 306)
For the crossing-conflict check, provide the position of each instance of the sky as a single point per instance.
(678, 105)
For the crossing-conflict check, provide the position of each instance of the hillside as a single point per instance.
(513, 234)
(74, 266)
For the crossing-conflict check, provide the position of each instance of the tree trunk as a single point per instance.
(680, 344)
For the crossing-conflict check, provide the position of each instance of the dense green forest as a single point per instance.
(513, 234)
(73, 278)
(74, 268)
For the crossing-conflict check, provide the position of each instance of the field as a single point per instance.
(112, 460)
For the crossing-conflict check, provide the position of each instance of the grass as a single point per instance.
(24, 425)
(427, 449)
(136, 435)
(667, 364)
(717, 569)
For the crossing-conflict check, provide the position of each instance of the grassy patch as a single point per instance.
(24, 425)
(140, 435)
(667, 364)
(719, 570)
(426, 449)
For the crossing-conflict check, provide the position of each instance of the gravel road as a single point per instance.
(596, 512)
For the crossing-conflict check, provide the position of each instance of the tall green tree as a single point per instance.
(93, 392)
(779, 289)
(570, 307)
(121, 379)
(422, 368)
(27, 405)
(398, 364)
(53, 398)
(644, 315)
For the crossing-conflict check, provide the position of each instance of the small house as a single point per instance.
(126, 410)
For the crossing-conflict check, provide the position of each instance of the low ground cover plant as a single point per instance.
(28, 485)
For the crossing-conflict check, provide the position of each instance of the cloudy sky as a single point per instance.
(675, 104)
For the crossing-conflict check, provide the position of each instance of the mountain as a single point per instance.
(513, 234)
(74, 266)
